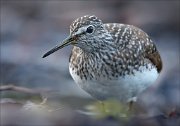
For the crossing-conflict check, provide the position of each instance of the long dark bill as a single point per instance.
(66, 42)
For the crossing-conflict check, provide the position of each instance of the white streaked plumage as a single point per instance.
(122, 89)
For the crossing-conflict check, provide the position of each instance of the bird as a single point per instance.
(110, 60)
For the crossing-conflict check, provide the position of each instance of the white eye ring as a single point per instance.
(90, 29)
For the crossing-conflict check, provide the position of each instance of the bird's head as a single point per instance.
(87, 33)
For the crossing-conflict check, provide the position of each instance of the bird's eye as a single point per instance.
(90, 29)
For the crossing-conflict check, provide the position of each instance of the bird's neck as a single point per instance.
(92, 63)
(91, 55)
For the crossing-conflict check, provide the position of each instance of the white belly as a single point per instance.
(122, 88)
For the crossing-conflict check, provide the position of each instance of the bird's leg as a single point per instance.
(103, 106)
(130, 105)
(131, 102)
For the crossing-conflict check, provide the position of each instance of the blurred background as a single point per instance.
(30, 28)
